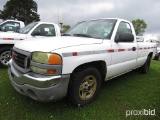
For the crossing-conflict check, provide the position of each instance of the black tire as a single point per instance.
(84, 86)
(145, 68)
(158, 57)
(4, 56)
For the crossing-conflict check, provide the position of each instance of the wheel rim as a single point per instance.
(87, 87)
(5, 56)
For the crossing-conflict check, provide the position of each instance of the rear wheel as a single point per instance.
(84, 86)
(145, 67)
(5, 56)
(158, 57)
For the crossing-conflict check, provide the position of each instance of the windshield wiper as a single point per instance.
(82, 35)
(65, 34)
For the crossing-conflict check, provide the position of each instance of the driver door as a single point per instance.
(125, 53)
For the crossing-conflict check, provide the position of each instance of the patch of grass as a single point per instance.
(132, 91)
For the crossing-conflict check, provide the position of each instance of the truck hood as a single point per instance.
(48, 44)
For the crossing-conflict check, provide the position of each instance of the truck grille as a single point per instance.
(21, 60)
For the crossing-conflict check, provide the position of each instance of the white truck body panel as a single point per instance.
(116, 64)
(54, 43)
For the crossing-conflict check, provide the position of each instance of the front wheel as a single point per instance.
(84, 86)
(5, 56)
(145, 68)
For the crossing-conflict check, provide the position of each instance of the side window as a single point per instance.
(10, 26)
(123, 27)
(45, 30)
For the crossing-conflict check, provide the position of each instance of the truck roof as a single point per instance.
(105, 19)
(46, 23)
(14, 21)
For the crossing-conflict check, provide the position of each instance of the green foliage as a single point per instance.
(65, 28)
(139, 26)
(25, 10)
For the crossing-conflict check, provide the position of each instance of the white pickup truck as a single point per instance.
(11, 26)
(76, 64)
(32, 30)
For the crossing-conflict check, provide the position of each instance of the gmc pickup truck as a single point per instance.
(33, 30)
(75, 65)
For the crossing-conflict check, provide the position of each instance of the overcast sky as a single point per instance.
(72, 11)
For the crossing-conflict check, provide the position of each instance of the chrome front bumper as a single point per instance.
(38, 87)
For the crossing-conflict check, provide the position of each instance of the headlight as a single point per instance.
(46, 58)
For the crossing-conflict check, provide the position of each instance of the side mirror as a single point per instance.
(124, 37)
(35, 33)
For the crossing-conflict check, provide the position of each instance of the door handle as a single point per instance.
(134, 49)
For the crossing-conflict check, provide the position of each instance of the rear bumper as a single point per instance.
(38, 87)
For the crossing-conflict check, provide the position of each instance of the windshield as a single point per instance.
(100, 29)
(27, 28)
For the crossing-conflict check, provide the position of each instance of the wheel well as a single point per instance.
(99, 65)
